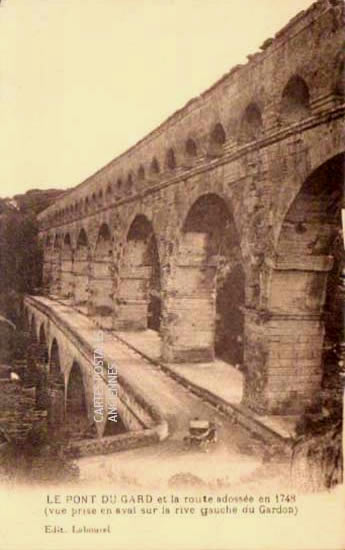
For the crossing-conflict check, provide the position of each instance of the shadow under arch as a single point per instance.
(251, 124)
(114, 428)
(54, 362)
(44, 353)
(81, 270)
(217, 139)
(209, 287)
(295, 101)
(76, 403)
(101, 280)
(56, 410)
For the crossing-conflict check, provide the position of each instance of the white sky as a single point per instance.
(83, 80)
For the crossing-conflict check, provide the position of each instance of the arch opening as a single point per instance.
(81, 270)
(251, 124)
(217, 140)
(154, 168)
(44, 353)
(109, 191)
(114, 428)
(141, 173)
(130, 183)
(101, 282)
(139, 305)
(171, 159)
(55, 365)
(295, 100)
(304, 286)
(56, 389)
(209, 286)
(191, 148)
(76, 409)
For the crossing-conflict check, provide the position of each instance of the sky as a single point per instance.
(83, 80)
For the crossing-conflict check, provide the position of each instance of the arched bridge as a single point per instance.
(217, 229)
(94, 394)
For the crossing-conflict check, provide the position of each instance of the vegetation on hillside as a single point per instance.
(35, 457)
(20, 254)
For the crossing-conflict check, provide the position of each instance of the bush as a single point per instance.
(37, 460)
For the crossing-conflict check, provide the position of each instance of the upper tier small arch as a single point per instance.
(251, 124)
(217, 140)
(295, 100)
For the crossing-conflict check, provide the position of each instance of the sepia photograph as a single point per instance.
(172, 274)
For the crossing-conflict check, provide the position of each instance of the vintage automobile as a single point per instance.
(201, 433)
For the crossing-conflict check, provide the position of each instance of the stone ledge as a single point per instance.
(112, 444)
(304, 263)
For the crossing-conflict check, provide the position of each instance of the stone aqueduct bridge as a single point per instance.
(216, 229)
(85, 388)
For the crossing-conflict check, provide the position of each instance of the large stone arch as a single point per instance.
(76, 401)
(101, 278)
(321, 149)
(128, 218)
(206, 290)
(189, 192)
(138, 298)
(81, 266)
(285, 353)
